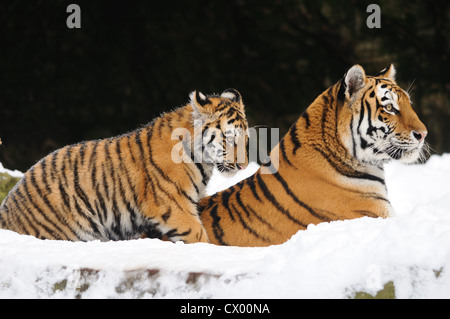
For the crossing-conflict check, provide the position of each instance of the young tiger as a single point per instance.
(117, 188)
(330, 165)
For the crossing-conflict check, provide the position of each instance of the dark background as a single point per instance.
(132, 60)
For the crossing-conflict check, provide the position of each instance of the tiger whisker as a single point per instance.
(410, 87)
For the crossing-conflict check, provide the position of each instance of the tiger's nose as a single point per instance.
(420, 136)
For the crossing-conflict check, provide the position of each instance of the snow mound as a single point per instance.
(330, 260)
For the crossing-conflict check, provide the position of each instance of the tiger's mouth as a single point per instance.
(397, 152)
(408, 154)
(407, 151)
(229, 169)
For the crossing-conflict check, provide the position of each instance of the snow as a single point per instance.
(329, 260)
(14, 173)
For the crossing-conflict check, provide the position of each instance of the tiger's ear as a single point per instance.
(355, 79)
(388, 73)
(199, 103)
(232, 94)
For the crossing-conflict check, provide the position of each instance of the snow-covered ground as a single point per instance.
(14, 173)
(329, 260)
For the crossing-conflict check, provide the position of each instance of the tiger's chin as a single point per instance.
(404, 155)
(407, 155)
(228, 171)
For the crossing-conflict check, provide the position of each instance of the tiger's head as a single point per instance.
(221, 130)
(383, 124)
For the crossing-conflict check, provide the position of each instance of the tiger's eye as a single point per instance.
(388, 107)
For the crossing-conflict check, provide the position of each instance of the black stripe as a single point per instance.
(162, 173)
(130, 209)
(217, 230)
(47, 203)
(169, 195)
(64, 195)
(85, 199)
(93, 176)
(231, 111)
(371, 128)
(123, 200)
(82, 153)
(139, 143)
(294, 138)
(69, 153)
(363, 142)
(202, 172)
(26, 213)
(150, 153)
(64, 169)
(353, 138)
(130, 148)
(222, 105)
(105, 182)
(192, 181)
(351, 173)
(244, 224)
(93, 157)
(117, 225)
(131, 186)
(122, 168)
(251, 183)
(110, 166)
(361, 114)
(251, 212)
(173, 233)
(269, 196)
(79, 191)
(43, 177)
(225, 202)
(103, 210)
(135, 227)
(149, 182)
(184, 194)
(53, 169)
(367, 213)
(305, 115)
(283, 152)
(296, 200)
(166, 215)
(81, 213)
(161, 124)
(213, 136)
(374, 196)
(37, 208)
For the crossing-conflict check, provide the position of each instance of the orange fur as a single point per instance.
(120, 187)
(330, 165)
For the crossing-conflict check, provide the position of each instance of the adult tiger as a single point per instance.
(330, 165)
(118, 188)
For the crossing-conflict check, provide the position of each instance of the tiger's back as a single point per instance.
(118, 188)
(55, 200)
